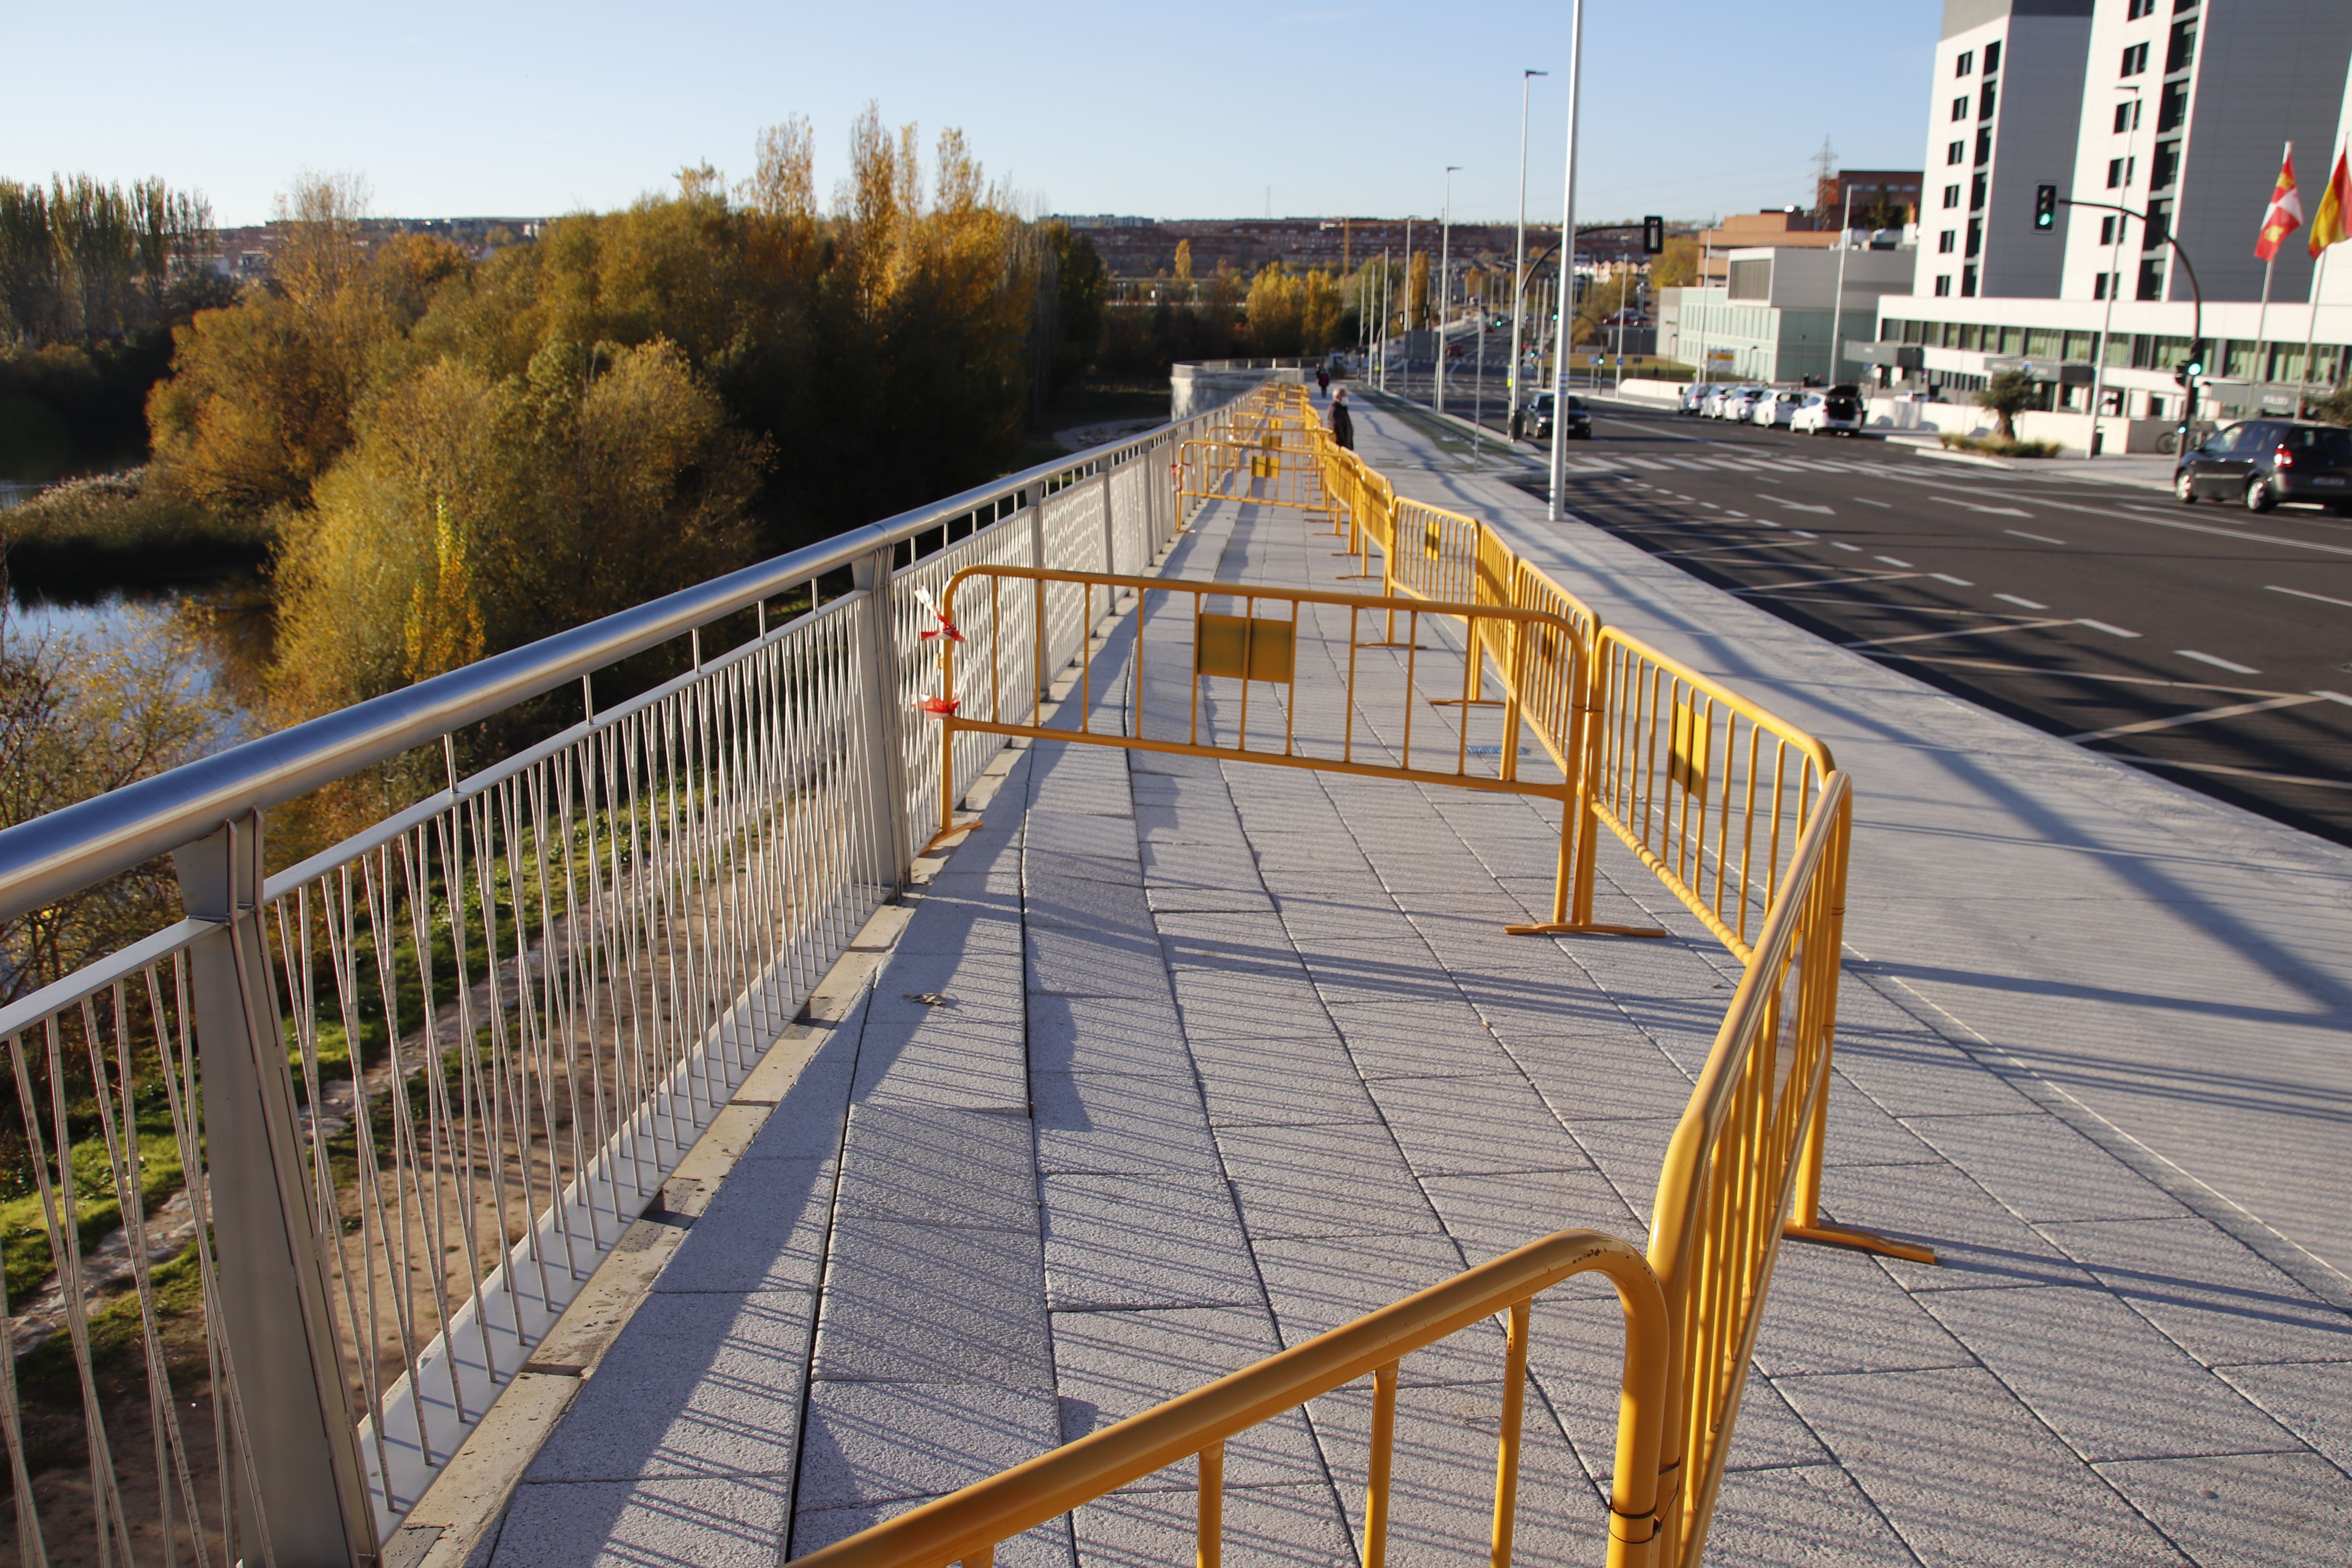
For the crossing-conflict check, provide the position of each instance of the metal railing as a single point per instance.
(364, 1127)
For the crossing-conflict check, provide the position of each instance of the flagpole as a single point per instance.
(2262, 319)
(2310, 332)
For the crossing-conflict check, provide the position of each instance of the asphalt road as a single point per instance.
(2207, 644)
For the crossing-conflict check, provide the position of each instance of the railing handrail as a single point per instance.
(960, 1526)
(79, 845)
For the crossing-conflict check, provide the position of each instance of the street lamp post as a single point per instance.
(1837, 307)
(1520, 256)
(1445, 255)
(1566, 265)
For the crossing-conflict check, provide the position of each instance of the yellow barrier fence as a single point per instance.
(1264, 473)
(968, 1526)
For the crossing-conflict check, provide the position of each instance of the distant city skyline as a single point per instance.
(452, 111)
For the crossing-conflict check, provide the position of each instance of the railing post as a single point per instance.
(1045, 654)
(309, 1487)
(1111, 532)
(876, 652)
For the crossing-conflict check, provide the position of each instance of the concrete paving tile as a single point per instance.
(1096, 964)
(1965, 1473)
(807, 1120)
(1049, 869)
(1296, 1524)
(1249, 1004)
(1807, 1514)
(2206, 1292)
(1336, 1180)
(2043, 1169)
(1165, 899)
(1600, 1077)
(764, 1229)
(1317, 1283)
(879, 1442)
(990, 893)
(2238, 1509)
(1860, 1133)
(1120, 1123)
(1768, 1433)
(1978, 1243)
(1047, 1546)
(1192, 822)
(1083, 904)
(1629, 1153)
(918, 1303)
(2100, 1377)
(1106, 1034)
(1187, 864)
(1112, 1366)
(1829, 1311)
(1307, 1056)
(1910, 1072)
(960, 930)
(1492, 1215)
(707, 1385)
(1419, 1040)
(1275, 1087)
(1475, 1125)
(1097, 838)
(977, 990)
(2311, 1399)
(734, 1522)
(928, 1165)
(951, 1059)
(1121, 1243)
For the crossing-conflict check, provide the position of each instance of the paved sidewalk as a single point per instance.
(1178, 1062)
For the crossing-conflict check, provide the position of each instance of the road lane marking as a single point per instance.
(2103, 626)
(1892, 561)
(1769, 590)
(2299, 594)
(2243, 772)
(2002, 667)
(1989, 510)
(1865, 500)
(2022, 604)
(2230, 664)
(1905, 609)
(2223, 532)
(1725, 550)
(1955, 582)
(1801, 506)
(1803, 534)
(2037, 538)
(1964, 632)
(2335, 697)
(1839, 544)
(2235, 710)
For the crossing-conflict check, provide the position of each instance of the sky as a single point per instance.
(1212, 109)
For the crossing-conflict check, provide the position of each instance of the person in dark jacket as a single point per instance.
(1323, 378)
(1343, 428)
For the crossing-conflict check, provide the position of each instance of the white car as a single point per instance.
(1739, 401)
(1711, 409)
(1774, 410)
(1837, 412)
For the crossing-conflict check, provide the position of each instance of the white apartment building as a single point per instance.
(2175, 110)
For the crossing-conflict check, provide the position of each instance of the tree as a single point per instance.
(1082, 285)
(1417, 291)
(1184, 261)
(2007, 395)
(1677, 266)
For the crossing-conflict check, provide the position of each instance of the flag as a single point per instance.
(2334, 207)
(2285, 214)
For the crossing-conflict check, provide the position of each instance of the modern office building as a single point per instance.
(2173, 112)
(1773, 318)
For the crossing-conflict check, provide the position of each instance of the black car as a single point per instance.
(2261, 462)
(1538, 419)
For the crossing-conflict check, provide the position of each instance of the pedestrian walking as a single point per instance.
(1343, 428)
(1323, 379)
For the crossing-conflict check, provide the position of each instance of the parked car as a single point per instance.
(1775, 409)
(2260, 462)
(1837, 412)
(1739, 402)
(1711, 409)
(1540, 418)
(1694, 396)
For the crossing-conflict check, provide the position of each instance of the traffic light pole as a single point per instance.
(2187, 373)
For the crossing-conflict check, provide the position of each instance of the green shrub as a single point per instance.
(1998, 445)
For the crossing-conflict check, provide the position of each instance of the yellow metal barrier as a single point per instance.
(1264, 473)
(968, 1526)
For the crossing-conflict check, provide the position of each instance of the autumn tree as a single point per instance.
(1677, 266)
(1417, 291)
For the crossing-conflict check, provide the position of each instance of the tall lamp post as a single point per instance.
(1519, 258)
(1444, 255)
(1567, 311)
(1837, 307)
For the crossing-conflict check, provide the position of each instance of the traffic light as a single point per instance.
(2045, 207)
(2192, 367)
(1653, 236)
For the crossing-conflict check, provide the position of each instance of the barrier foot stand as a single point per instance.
(1860, 1241)
(1581, 928)
(941, 839)
(1467, 702)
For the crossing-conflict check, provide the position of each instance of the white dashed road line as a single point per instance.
(2235, 709)
(1892, 561)
(1973, 506)
(1964, 632)
(1865, 500)
(2022, 604)
(1955, 582)
(2232, 665)
(2299, 594)
(2103, 626)
(2037, 538)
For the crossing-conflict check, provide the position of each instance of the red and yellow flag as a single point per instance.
(2334, 210)
(2285, 214)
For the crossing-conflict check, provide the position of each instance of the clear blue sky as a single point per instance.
(1692, 108)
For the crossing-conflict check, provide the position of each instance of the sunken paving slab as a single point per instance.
(1180, 1062)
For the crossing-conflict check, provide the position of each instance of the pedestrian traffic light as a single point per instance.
(2045, 207)
(1653, 236)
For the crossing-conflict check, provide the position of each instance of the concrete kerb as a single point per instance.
(455, 1522)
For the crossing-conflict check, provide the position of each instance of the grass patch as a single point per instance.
(1998, 445)
(121, 528)
(24, 1231)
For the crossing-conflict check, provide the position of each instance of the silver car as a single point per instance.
(1775, 409)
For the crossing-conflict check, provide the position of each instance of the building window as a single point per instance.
(1985, 102)
(1943, 286)
(2167, 166)
(1960, 107)
(2099, 286)
(2182, 52)
(1992, 57)
(1956, 152)
(1977, 194)
(1967, 62)
(2151, 278)
(1944, 242)
(2127, 116)
(1951, 195)
(2138, 8)
(2158, 225)
(1984, 146)
(2172, 109)
(2135, 60)
(1976, 235)
(2106, 231)
(1968, 282)
(2115, 173)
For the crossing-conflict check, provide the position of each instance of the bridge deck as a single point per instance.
(1175, 1062)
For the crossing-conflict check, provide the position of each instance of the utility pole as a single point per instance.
(1566, 262)
(2114, 279)
(1520, 256)
(1837, 307)
(1445, 260)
